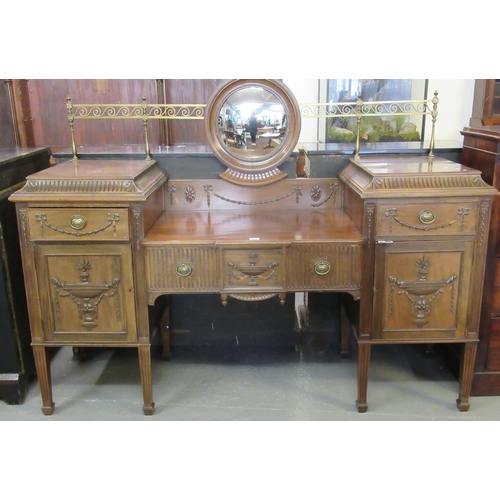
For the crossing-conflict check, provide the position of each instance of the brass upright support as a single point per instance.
(71, 118)
(359, 115)
(160, 90)
(434, 114)
(144, 105)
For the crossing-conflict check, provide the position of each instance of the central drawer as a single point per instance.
(78, 224)
(253, 269)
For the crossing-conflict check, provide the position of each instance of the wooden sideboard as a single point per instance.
(404, 237)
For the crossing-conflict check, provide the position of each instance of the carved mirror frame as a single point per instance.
(262, 169)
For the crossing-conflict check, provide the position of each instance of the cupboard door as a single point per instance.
(421, 290)
(87, 295)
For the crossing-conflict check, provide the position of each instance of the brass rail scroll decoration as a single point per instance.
(82, 294)
(145, 112)
(361, 109)
(142, 111)
(421, 293)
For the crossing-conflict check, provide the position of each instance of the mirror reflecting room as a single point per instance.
(252, 123)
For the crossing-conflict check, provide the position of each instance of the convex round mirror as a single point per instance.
(252, 127)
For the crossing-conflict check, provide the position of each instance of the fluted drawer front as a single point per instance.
(323, 267)
(427, 218)
(182, 268)
(78, 224)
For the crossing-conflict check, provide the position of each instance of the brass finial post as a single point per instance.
(71, 118)
(359, 104)
(144, 105)
(434, 114)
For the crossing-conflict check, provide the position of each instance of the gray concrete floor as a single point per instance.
(252, 384)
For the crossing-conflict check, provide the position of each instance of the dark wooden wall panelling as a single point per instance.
(188, 92)
(43, 118)
(50, 115)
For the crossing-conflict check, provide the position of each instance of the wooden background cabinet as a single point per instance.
(486, 104)
(481, 150)
(16, 357)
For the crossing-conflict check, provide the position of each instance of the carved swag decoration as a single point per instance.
(253, 271)
(421, 293)
(87, 296)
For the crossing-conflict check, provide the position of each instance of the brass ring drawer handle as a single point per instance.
(427, 217)
(183, 270)
(321, 268)
(77, 222)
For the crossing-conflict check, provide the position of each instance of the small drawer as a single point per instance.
(324, 267)
(252, 269)
(426, 218)
(78, 224)
(173, 268)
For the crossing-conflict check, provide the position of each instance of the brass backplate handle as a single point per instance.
(427, 217)
(183, 270)
(322, 267)
(77, 222)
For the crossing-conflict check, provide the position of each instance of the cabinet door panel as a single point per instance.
(421, 290)
(87, 295)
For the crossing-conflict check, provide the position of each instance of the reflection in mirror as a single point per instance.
(252, 127)
(252, 123)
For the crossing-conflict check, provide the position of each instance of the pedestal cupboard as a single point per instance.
(81, 224)
(426, 224)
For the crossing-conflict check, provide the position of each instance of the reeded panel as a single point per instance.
(182, 268)
(324, 267)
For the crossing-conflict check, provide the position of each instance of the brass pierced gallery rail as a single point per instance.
(358, 110)
(143, 111)
(361, 109)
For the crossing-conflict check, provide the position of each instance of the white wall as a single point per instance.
(306, 92)
(454, 108)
